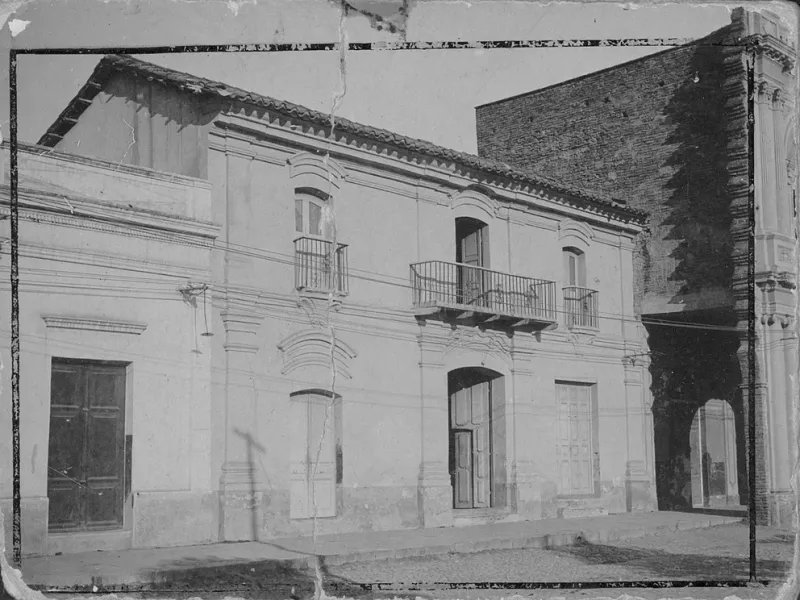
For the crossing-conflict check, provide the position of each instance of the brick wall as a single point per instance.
(651, 132)
(668, 134)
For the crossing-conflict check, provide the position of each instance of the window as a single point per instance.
(317, 266)
(316, 454)
(575, 438)
(580, 303)
(308, 205)
(574, 267)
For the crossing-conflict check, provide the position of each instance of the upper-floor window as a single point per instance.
(580, 303)
(574, 267)
(308, 210)
(318, 265)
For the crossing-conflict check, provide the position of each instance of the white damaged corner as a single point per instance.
(11, 577)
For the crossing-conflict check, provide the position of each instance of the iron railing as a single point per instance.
(442, 284)
(317, 267)
(580, 307)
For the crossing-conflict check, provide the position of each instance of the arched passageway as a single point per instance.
(714, 470)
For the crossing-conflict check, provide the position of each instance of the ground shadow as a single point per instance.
(662, 565)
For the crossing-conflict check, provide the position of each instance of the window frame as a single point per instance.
(308, 197)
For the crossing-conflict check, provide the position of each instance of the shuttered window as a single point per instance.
(316, 454)
(575, 433)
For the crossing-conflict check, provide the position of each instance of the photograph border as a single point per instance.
(748, 51)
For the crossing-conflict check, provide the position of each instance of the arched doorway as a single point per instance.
(714, 470)
(477, 438)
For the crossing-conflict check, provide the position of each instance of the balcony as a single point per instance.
(320, 268)
(580, 308)
(481, 296)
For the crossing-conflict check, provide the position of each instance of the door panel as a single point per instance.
(66, 449)
(481, 449)
(105, 448)
(462, 408)
(462, 476)
(497, 439)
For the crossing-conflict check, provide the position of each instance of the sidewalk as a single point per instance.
(148, 567)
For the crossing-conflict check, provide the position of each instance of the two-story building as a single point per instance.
(403, 335)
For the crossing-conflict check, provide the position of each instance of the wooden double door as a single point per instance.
(477, 439)
(87, 468)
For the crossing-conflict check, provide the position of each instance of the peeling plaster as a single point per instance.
(17, 26)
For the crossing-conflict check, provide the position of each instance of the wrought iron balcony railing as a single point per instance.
(445, 285)
(580, 307)
(318, 267)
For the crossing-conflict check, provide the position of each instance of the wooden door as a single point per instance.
(86, 455)
(471, 253)
(575, 439)
(470, 443)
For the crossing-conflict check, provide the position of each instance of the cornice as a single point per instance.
(772, 47)
(411, 166)
(109, 326)
(112, 260)
(69, 211)
(54, 155)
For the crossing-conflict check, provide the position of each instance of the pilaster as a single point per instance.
(241, 482)
(435, 493)
(639, 483)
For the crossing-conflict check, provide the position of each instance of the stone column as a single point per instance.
(792, 373)
(241, 485)
(435, 492)
(764, 159)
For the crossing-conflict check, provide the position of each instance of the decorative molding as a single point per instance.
(774, 48)
(485, 342)
(770, 318)
(309, 306)
(583, 336)
(474, 198)
(575, 231)
(112, 260)
(315, 348)
(105, 325)
(306, 163)
(109, 219)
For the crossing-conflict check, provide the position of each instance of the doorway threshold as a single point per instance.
(89, 541)
(465, 517)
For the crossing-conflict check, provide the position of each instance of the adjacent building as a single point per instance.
(115, 374)
(669, 133)
(343, 329)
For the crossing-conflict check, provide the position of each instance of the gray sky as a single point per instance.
(428, 94)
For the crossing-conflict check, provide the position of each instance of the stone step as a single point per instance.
(580, 512)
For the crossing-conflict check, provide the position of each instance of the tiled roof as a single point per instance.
(112, 64)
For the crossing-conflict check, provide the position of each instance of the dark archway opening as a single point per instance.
(477, 438)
